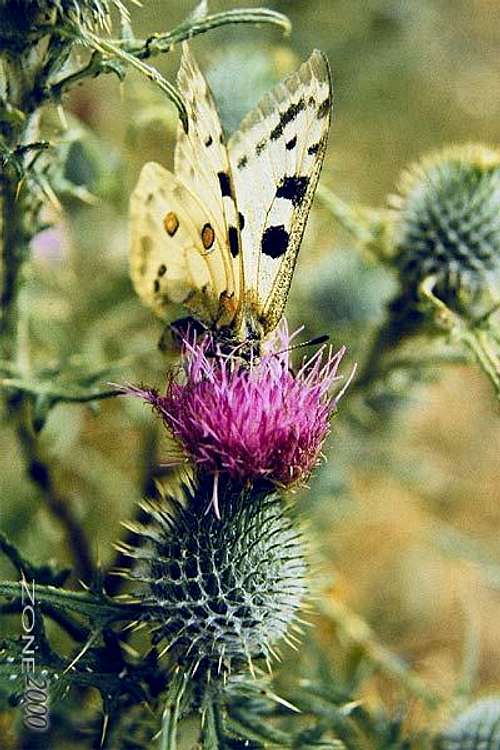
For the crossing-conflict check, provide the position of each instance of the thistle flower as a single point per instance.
(249, 420)
(447, 225)
(477, 728)
(219, 593)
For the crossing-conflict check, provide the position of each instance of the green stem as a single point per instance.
(19, 208)
(368, 227)
(60, 507)
(213, 726)
(42, 389)
(19, 223)
(470, 335)
(99, 609)
(112, 50)
(172, 711)
(359, 633)
(135, 52)
(251, 727)
(161, 43)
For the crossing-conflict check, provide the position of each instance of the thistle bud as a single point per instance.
(477, 728)
(219, 593)
(23, 22)
(447, 225)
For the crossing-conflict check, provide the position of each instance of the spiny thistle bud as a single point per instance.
(23, 22)
(477, 728)
(447, 224)
(249, 420)
(220, 593)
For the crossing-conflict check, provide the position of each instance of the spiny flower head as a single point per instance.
(476, 728)
(447, 223)
(218, 593)
(249, 419)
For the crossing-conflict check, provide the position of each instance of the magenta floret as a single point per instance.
(250, 420)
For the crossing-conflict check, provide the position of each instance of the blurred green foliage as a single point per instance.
(405, 514)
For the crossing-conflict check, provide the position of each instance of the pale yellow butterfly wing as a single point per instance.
(202, 161)
(175, 254)
(276, 157)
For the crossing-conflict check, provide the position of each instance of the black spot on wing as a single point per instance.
(209, 141)
(323, 108)
(259, 148)
(207, 236)
(225, 184)
(275, 241)
(313, 149)
(241, 220)
(162, 270)
(285, 117)
(234, 242)
(289, 145)
(156, 286)
(293, 189)
(242, 162)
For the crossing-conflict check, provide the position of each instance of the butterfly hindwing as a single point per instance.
(276, 156)
(176, 254)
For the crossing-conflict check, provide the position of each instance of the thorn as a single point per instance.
(292, 645)
(251, 667)
(164, 651)
(104, 729)
(215, 498)
(282, 701)
(77, 658)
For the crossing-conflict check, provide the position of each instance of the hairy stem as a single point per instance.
(99, 609)
(59, 506)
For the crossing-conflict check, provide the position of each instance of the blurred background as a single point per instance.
(405, 512)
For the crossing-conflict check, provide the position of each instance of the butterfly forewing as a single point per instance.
(276, 156)
(176, 255)
(202, 161)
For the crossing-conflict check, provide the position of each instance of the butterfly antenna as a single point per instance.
(310, 342)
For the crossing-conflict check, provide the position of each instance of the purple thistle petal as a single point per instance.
(249, 420)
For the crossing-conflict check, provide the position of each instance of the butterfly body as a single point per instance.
(221, 234)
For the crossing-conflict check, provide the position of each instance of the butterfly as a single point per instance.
(222, 233)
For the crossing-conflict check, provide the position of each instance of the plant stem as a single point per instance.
(161, 43)
(369, 228)
(470, 335)
(358, 632)
(20, 207)
(59, 506)
(99, 609)
(172, 711)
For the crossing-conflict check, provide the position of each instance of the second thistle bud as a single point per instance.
(477, 728)
(447, 224)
